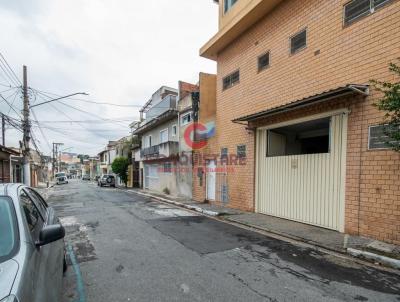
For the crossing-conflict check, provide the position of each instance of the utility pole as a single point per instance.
(55, 157)
(3, 129)
(26, 129)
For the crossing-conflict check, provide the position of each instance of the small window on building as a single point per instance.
(357, 9)
(174, 130)
(310, 137)
(298, 41)
(163, 136)
(186, 119)
(263, 61)
(167, 168)
(379, 137)
(224, 153)
(241, 151)
(228, 5)
(231, 80)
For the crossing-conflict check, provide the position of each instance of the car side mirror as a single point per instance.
(50, 234)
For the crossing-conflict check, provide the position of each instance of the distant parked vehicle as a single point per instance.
(85, 177)
(61, 178)
(32, 253)
(106, 180)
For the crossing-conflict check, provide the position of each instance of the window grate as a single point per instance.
(241, 151)
(263, 61)
(298, 41)
(231, 79)
(359, 8)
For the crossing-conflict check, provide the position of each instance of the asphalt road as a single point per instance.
(125, 247)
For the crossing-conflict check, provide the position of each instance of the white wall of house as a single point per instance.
(171, 127)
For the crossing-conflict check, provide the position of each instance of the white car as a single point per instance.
(61, 178)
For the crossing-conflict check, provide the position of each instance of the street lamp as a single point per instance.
(57, 99)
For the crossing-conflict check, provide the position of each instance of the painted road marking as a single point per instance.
(79, 280)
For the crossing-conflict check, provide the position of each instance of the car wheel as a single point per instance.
(65, 265)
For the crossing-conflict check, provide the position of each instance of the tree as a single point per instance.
(120, 167)
(390, 103)
(82, 157)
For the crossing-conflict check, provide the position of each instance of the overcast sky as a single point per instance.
(118, 51)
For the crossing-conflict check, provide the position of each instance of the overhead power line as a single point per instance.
(11, 70)
(89, 101)
(11, 106)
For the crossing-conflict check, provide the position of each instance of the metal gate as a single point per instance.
(308, 188)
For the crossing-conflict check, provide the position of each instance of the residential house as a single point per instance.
(123, 149)
(185, 117)
(111, 155)
(160, 141)
(134, 172)
(295, 116)
(6, 168)
(85, 167)
(94, 167)
(103, 162)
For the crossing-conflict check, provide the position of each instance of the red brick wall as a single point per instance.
(353, 54)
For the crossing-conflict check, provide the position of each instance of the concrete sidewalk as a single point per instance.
(361, 247)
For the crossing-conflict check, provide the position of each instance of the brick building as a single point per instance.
(293, 99)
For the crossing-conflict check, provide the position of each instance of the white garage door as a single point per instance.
(300, 170)
(151, 178)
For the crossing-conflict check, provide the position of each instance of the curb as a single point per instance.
(394, 263)
(363, 255)
(179, 204)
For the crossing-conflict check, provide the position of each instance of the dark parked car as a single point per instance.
(32, 257)
(106, 180)
(85, 177)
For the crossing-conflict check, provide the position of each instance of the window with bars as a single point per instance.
(167, 168)
(241, 151)
(298, 41)
(356, 9)
(224, 153)
(263, 61)
(231, 80)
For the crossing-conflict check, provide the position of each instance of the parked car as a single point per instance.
(32, 254)
(85, 177)
(61, 178)
(106, 180)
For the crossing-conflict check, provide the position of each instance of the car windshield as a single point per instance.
(8, 229)
(60, 174)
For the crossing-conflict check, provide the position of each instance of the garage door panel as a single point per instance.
(305, 188)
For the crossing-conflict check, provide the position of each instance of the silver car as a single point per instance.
(61, 178)
(32, 257)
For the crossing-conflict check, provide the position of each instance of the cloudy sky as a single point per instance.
(118, 51)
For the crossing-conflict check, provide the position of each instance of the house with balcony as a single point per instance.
(187, 92)
(103, 162)
(295, 117)
(159, 141)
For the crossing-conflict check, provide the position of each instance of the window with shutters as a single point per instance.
(231, 80)
(263, 61)
(357, 9)
(298, 41)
